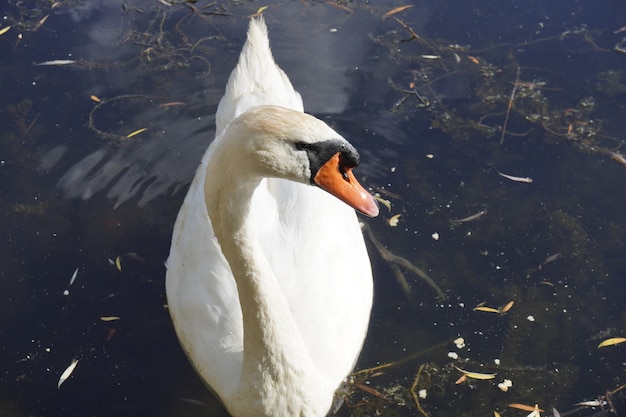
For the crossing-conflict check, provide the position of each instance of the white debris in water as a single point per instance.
(459, 342)
(505, 385)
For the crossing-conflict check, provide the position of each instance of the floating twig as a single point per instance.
(470, 218)
(91, 123)
(415, 396)
(508, 109)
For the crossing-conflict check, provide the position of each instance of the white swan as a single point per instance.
(269, 284)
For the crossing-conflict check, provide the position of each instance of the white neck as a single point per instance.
(274, 355)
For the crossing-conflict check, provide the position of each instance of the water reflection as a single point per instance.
(142, 170)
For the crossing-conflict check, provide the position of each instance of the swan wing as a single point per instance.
(202, 294)
(316, 249)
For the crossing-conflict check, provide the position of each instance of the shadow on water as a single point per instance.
(440, 98)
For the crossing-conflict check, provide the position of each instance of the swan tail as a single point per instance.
(256, 79)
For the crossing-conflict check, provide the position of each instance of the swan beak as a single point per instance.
(345, 187)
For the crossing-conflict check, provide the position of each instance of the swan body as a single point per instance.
(269, 284)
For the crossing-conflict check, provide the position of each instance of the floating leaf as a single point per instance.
(109, 318)
(592, 403)
(118, 263)
(525, 407)
(136, 132)
(612, 341)
(397, 10)
(95, 98)
(507, 307)
(172, 104)
(475, 375)
(66, 374)
(4, 30)
(461, 379)
(57, 62)
(43, 20)
(527, 180)
(487, 309)
(74, 275)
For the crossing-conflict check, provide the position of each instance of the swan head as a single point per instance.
(284, 143)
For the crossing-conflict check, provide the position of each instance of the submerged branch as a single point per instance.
(396, 261)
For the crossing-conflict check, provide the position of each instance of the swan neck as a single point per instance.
(272, 345)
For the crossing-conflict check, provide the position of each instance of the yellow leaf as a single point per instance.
(397, 10)
(95, 98)
(475, 375)
(118, 263)
(612, 341)
(136, 132)
(4, 30)
(507, 307)
(486, 309)
(109, 318)
(525, 407)
(172, 104)
(261, 9)
(496, 414)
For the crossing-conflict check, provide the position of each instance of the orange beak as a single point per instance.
(345, 187)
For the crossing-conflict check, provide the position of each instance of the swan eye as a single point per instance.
(319, 153)
(302, 146)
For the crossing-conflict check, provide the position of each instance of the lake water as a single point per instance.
(440, 98)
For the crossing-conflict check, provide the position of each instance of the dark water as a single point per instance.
(76, 193)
